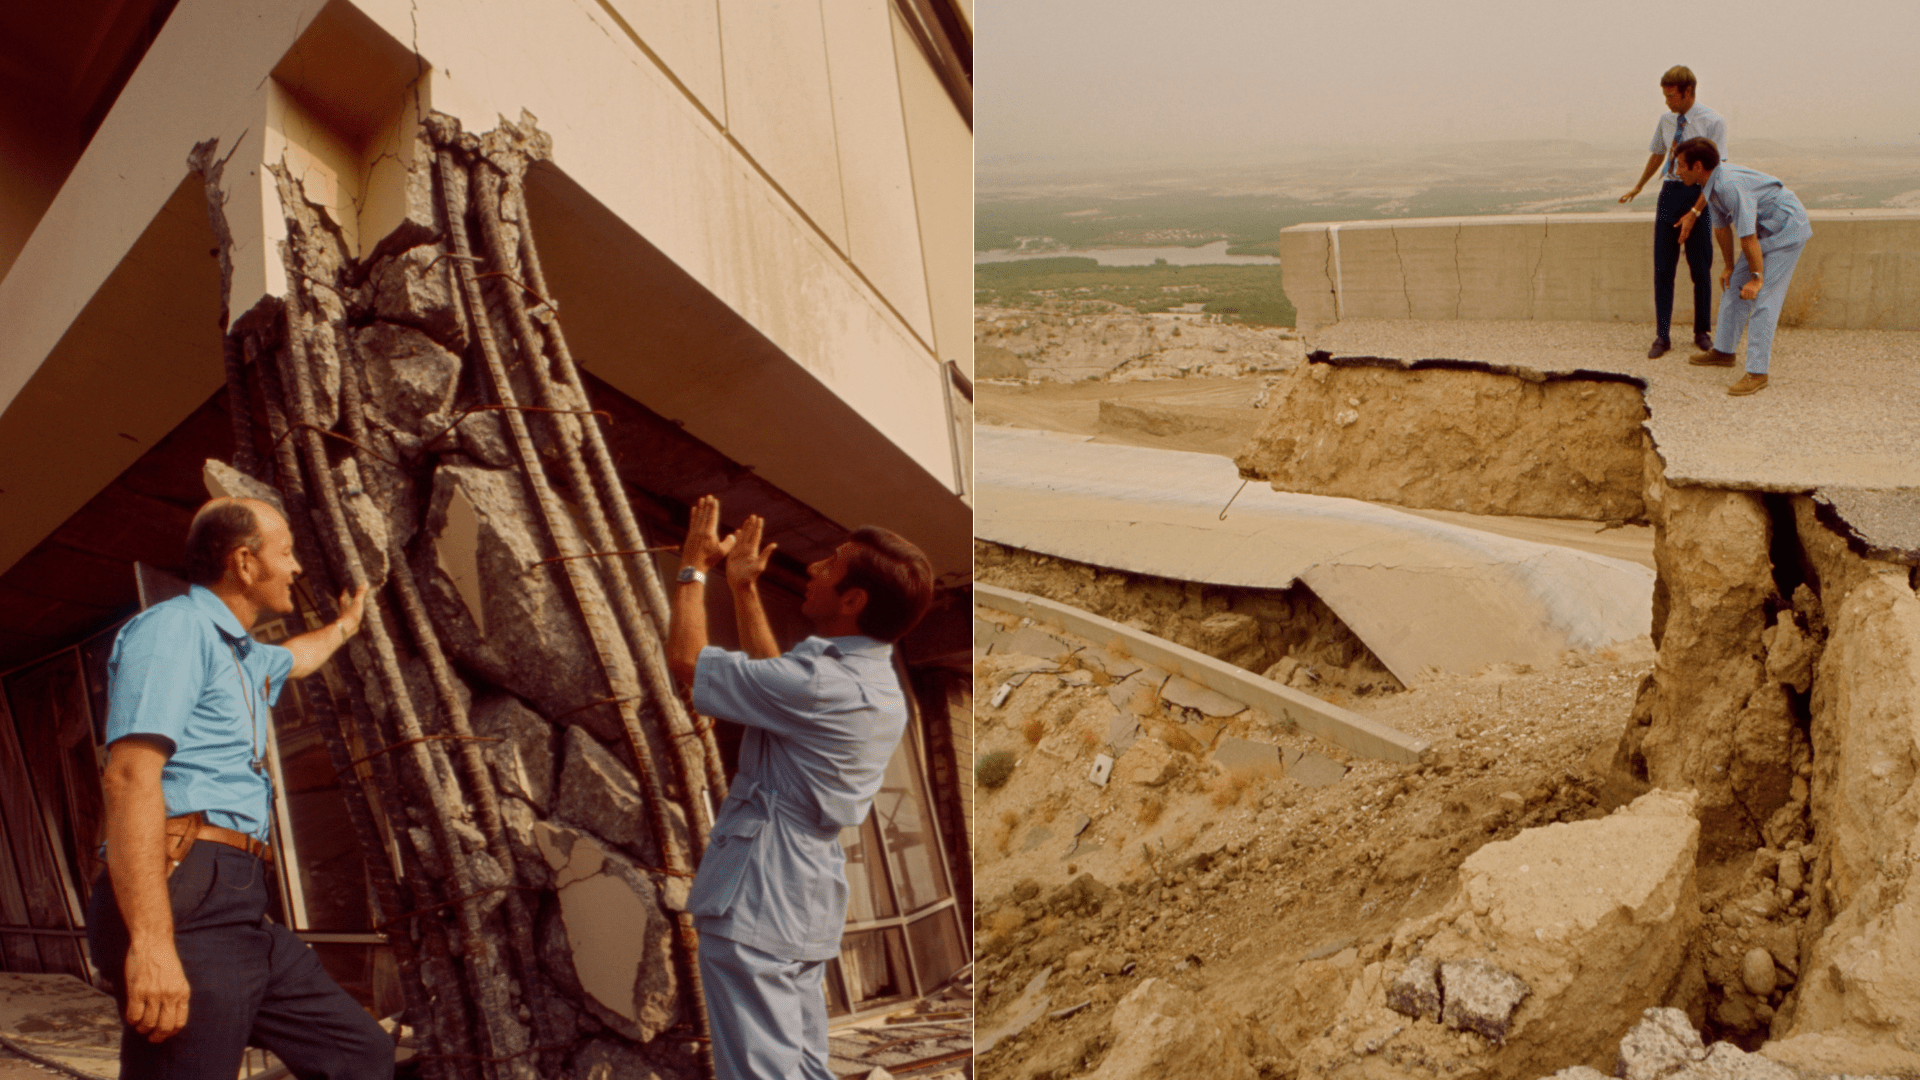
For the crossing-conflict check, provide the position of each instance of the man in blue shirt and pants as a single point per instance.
(822, 720)
(1773, 230)
(1679, 209)
(178, 919)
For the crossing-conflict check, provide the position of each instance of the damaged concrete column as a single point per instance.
(541, 792)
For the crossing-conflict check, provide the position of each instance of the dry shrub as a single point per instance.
(1089, 738)
(1034, 729)
(994, 769)
(1008, 821)
(1150, 810)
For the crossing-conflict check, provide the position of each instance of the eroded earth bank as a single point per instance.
(1686, 855)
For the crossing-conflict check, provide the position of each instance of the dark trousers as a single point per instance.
(1675, 199)
(254, 983)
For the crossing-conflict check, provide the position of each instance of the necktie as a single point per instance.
(1679, 136)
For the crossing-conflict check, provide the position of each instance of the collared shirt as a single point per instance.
(1702, 122)
(822, 722)
(173, 674)
(1755, 204)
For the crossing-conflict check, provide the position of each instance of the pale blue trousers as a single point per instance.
(768, 1015)
(1759, 316)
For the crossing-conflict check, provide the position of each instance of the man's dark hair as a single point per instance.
(1698, 151)
(1679, 77)
(897, 577)
(216, 531)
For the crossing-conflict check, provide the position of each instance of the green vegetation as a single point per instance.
(995, 769)
(1248, 294)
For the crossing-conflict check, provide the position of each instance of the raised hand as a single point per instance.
(748, 560)
(704, 549)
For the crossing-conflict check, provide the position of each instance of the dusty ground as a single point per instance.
(1225, 886)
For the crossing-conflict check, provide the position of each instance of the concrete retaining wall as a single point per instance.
(1318, 718)
(1860, 271)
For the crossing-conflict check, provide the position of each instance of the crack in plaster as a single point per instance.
(1459, 279)
(1406, 287)
(1533, 285)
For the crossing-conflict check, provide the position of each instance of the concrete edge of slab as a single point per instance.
(1324, 720)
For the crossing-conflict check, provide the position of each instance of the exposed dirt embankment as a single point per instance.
(1443, 437)
(1290, 635)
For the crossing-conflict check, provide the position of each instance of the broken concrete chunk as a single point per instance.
(411, 379)
(1316, 770)
(1149, 762)
(1122, 730)
(1415, 991)
(224, 481)
(1102, 769)
(1115, 665)
(1244, 757)
(1189, 694)
(1480, 997)
(522, 758)
(599, 793)
(1663, 1042)
(417, 288)
(609, 938)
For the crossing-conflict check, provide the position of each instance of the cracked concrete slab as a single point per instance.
(1422, 594)
(1190, 694)
(1835, 418)
(60, 1019)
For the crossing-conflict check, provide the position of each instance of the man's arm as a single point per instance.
(703, 550)
(1724, 237)
(745, 564)
(1653, 166)
(312, 648)
(1750, 247)
(156, 986)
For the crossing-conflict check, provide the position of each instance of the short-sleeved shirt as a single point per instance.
(1755, 204)
(1702, 122)
(822, 721)
(186, 671)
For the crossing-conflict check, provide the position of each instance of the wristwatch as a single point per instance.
(688, 573)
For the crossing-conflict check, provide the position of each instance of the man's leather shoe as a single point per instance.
(1703, 341)
(1711, 358)
(1659, 349)
(1748, 384)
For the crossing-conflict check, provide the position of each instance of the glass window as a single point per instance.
(874, 963)
(869, 895)
(937, 952)
(906, 828)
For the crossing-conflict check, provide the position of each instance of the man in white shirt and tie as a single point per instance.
(1679, 209)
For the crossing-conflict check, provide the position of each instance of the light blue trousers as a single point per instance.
(1759, 316)
(768, 1015)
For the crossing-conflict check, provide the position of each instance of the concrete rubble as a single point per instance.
(1123, 347)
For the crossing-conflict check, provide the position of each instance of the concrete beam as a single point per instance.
(1323, 720)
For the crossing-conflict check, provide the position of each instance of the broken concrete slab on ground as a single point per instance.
(1159, 513)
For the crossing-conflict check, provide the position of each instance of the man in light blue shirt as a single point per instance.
(822, 720)
(1679, 209)
(177, 920)
(1773, 230)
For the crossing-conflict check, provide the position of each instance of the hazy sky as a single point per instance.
(1146, 78)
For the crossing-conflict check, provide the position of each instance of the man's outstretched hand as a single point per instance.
(747, 560)
(704, 549)
(157, 991)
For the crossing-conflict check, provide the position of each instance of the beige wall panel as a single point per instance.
(780, 102)
(1861, 270)
(685, 35)
(883, 234)
(941, 146)
(133, 165)
(637, 145)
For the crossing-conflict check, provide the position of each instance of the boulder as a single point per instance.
(1161, 1030)
(1591, 918)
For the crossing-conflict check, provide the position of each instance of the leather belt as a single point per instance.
(182, 831)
